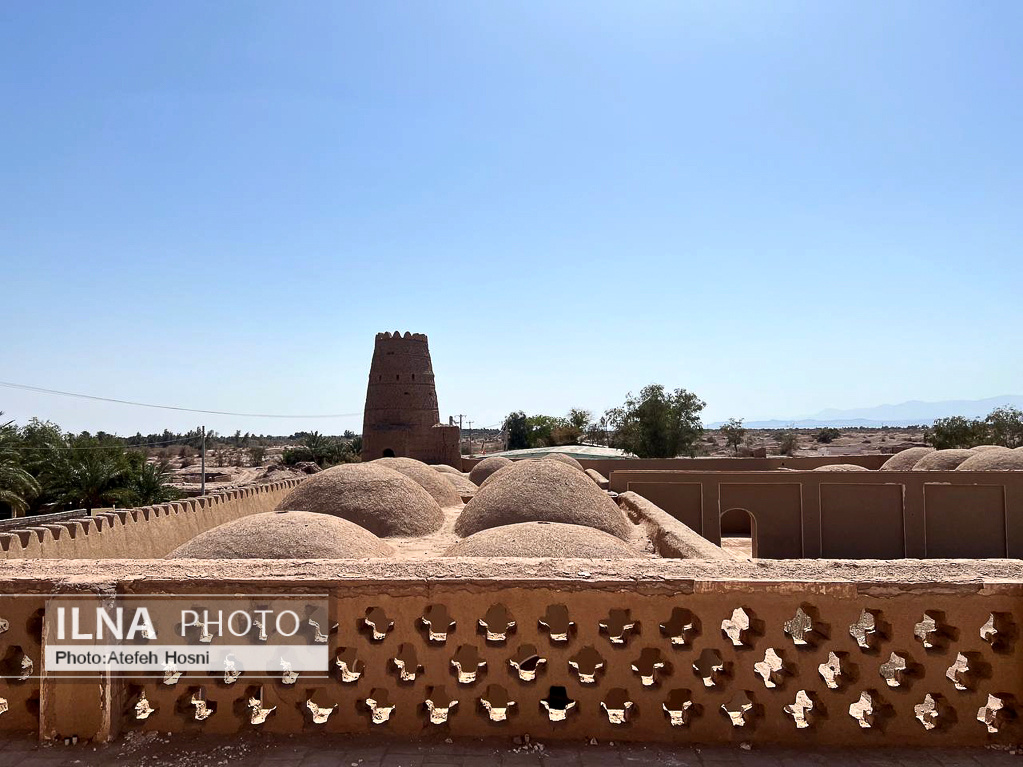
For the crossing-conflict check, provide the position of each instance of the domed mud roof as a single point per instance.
(384, 501)
(542, 539)
(486, 467)
(284, 535)
(541, 491)
(431, 481)
(906, 460)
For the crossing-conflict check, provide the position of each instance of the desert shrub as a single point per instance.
(323, 451)
(828, 434)
(293, 455)
(788, 442)
(257, 453)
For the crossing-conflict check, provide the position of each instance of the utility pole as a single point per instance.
(460, 417)
(470, 437)
(202, 464)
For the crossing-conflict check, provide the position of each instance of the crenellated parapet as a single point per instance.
(145, 532)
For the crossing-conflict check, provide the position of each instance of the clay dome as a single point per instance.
(428, 479)
(503, 469)
(542, 539)
(284, 535)
(384, 501)
(462, 484)
(443, 468)
(942, 460)
(486, 467)
(842, 467)
(541, 491)
(906, 460)
(565, 459)
(994, 460)
(982, 448)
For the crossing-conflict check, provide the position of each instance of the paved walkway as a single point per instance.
(154, 750)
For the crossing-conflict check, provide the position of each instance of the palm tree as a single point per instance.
(149, 484)
(87, 477)
(16, 484)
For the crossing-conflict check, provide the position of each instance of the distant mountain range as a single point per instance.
(910, 413)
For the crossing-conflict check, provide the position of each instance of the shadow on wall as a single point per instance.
(743, 523)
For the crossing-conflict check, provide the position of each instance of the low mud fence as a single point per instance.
(825, 653)
(146, 532)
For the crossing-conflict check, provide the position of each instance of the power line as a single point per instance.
(40, 390)
(121, 442)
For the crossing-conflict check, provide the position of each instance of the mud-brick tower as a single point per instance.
(402, 418)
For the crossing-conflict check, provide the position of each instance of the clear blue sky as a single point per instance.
(781, 206)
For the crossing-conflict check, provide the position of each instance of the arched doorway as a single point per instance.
(388, 453)
(734, 536)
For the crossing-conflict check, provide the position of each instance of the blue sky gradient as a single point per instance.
(781, 206)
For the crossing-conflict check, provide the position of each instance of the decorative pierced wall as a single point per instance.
(726, 664)
(705, 661)
(21, 626)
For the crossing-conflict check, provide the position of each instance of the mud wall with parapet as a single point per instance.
(787, 653)
(144, 533)
(608, 465)
(887, 515)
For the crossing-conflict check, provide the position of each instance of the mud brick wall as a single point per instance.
(879, 515)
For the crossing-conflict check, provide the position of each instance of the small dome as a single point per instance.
(284, 535)
(994, 460)
(982, 448)
(565, 459)
(384, 501)
(906, 460)
(541, 491)
(542, 539)
(443, 468)
(942, 460)
(462, 484)
(842, 467)
(486, 467)
(428, 479)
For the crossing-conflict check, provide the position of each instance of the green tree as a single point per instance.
(17, 486)
(957, 432)
(542, 428)
(1006, 426)
(734, 433)
(517, 429)
(657, 424)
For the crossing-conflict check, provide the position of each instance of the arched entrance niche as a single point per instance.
(388, 453)
(739, 532)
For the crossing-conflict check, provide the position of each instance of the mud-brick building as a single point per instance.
(402, 418)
